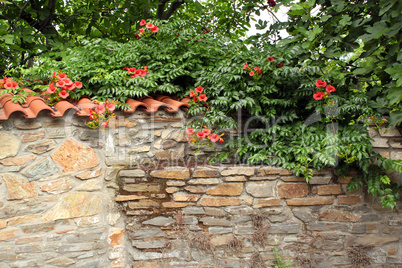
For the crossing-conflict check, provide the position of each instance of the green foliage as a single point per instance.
(279, 262)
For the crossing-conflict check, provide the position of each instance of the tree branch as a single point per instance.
(161, 8)
(175, 5)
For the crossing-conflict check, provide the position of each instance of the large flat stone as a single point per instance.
(73, 205)
(41, 147)
(17, 161)
(261, 188)
(73, 155)
(231, 189)
(247, 171)
(40, 169)
(171, 173)
(58, 186)
(8, 234)
(19, 188)
(292, 190)
(9, 145)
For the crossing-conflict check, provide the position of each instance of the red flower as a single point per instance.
(214, 137)
(68, 82)
(142, 22)
(318, 95)
(101, 108)
(51, 88)
(220, 140)
(200, 135)
(320, 84)
(142, 30)
(8, 85)
(78, 84)
(110, 106)
(271, 59)
(206, 132)
(199, 89)
(251, 73)
(330, 89)
(70, 87)
(154, 29)
(131, 70)
(245, 66)
(62, 76)
(272, 3)
(280, 65)
(191, 94)
(104, 124)
(60, 83)
(256, 69)
(15, 85)
(195, 98)
(203, 97)
(149, 25)
(189, 131)
(63, 94)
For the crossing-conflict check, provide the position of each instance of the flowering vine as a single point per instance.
(10, 86)
(319, 95)
(146, 31)
(254, 72)
(204, 136)
(133, 72)
(101, 114)
(60, 87)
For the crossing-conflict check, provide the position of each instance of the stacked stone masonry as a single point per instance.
(135, 196)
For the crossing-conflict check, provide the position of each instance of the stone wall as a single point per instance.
(136, 196)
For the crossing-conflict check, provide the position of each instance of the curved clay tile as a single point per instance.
(186, 100)
(63, 106)
(175, 105)
(35, 106)
(10, 107)
(85, 105)
(134, 104)
(155, 105)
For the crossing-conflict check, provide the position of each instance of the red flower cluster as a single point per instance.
(136, 72)
(205, 134)
(253, 71)
(198, 97)
(319, 94)
(149, 27)
(101, 114)
(271, 3)
(8, 83)
(64, 85)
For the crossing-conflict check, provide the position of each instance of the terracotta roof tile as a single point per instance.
(35, 104)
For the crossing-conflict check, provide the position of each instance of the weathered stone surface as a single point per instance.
(19, 188)
(62, 261)
(115, 236)
(329, 189)
(261, 189)
(17, 161)
(142, 187)
(176, 204)
(205, 181)
(181, 197)
(219, 201)
(145, 265)
(293, 179)
(234, 178)
(205, 173)
(148, 244)
(265, 178)
(159, 221)
(40, 169)
(26, 124)
(215, 221)
(311, 201)
(175, 183)
(32, 136)
(375, 240)
(335, 215)
(73, 205)
(132, 173)
(73, 155)
(320, 180)
(26, 240)
(90, 186)
(261, 203)
(57, 187)
(39, 227)
(195, 189)
(172, 173)
(285, 228)
(180, 136)
(3, 224)
(269, 171)
(121, 198)
(9, 145)
(147, 233)
(41, 147)
(8, 234)
(144, 203)
(380, 142)
(87, 221)
(89, 174)
(345, 180)
(349, 199)
(231, 189)
(22, 219)
(247, 171)
(292, 190)
(221, 240)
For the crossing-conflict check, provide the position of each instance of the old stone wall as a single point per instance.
(136, 196)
